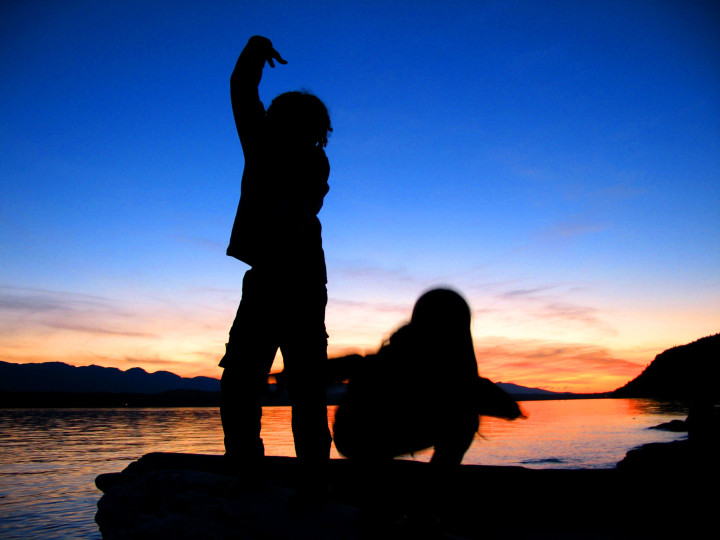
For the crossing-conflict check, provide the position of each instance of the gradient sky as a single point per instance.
(556, 162)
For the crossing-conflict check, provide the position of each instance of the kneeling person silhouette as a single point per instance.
(421, 390)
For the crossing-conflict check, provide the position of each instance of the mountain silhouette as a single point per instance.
(684, 372)
(517, 390)
(60, 377)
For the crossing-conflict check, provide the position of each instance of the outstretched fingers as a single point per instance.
(274, 55)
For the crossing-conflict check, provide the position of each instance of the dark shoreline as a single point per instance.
(191, 496)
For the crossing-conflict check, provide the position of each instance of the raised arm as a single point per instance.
(248, 110)
(491, 400)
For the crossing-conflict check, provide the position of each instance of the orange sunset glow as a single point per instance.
(83, 330)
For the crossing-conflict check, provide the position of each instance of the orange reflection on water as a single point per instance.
(49, 458)
(588, 433)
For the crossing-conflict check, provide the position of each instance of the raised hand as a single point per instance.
(265, 45)
(274, 55)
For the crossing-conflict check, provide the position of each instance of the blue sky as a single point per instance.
(556, 162)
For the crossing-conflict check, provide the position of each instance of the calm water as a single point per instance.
(49, 458)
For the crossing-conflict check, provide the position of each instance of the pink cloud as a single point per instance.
(554, 366)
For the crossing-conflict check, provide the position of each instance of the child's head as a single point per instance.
(441, 310)
(441, 322)
(299, 117)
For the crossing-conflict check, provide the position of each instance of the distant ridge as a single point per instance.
(60, 377)
(517, 390)
(60, 384)
(689, 371)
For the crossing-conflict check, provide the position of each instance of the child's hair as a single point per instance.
(441, 317)
(301, 112)
(442, 308)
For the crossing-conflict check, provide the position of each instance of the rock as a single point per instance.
(190, 504)
(658, 457)
(161, 496)
(192, 496)
(676, 426)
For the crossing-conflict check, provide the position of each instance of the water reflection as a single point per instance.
(651, 407)
(590, 434)
(49, 458)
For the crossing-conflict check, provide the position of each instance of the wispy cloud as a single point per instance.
(382, 307)
(552, 304)
(575, 367)
(522, 293)
(204, 243)
(570, 312)
(32, 303)
(90, 329)
(570, 229)
(23, 309)
(42, 300)
(367, 273)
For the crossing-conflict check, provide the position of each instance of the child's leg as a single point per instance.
(242, 385)
(304, 349)
(249, 356)
(306, 388)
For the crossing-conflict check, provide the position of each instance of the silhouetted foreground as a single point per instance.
(284, 295)
(191, 496)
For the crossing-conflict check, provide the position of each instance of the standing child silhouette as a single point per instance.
(277, 233)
